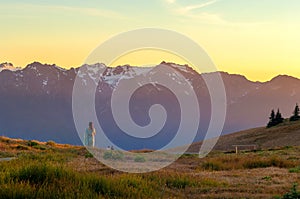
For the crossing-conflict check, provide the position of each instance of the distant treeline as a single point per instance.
(277, 118)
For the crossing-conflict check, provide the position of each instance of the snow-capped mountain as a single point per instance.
(8, 66)
(36, 101)
(111, 75)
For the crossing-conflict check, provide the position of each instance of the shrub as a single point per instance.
(139, 158)
(117, 155)
(293, 194)
(88, 155)
(40, 147)
(256, 163)
(100, 186)
(39, 174)
(262, 163)
(32, 143)
(107, 155)
(212, 166)
(295, 170)
(22, 147)
(178, 183)
(114, 155)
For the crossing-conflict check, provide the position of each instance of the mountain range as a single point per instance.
(36, 102)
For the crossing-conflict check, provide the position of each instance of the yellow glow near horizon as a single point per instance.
(148, 57)
(250, 38)
(262, 69)
(259, 59)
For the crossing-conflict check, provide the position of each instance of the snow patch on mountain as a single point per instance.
(110, 75)
(45, 82)
(8, 66)
(183, 68)
(113, 75)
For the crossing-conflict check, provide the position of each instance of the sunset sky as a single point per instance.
(257, 38)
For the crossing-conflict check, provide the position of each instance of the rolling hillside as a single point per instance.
(33, 169)
(286, 134)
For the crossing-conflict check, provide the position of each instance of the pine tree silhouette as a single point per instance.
(272, 119)
(278, 118)
(296, 114)
(296, 111)
(275, 119)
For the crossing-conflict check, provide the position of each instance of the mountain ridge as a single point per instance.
(163, 62)
(36, 101)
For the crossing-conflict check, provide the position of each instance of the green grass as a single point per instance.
(30, 178)
(253, 161)
(5, 154)
(295, 170)
(61, 171)
(45, 175)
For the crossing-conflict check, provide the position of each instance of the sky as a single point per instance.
(256, 38)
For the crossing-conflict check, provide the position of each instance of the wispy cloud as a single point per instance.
(208, 18)
(195, 11)
(217, 19)
(187, 9)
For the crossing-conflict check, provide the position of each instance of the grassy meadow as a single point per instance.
(50, 170)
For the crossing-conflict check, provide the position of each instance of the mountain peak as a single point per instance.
(182, 68)
(228, 75)
(38, 65)
(283, 77)
(8, 66)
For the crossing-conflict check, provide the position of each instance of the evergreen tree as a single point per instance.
(275, 118)
(272, 119)
(278, 118)
(296, 111)
(296, 114)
